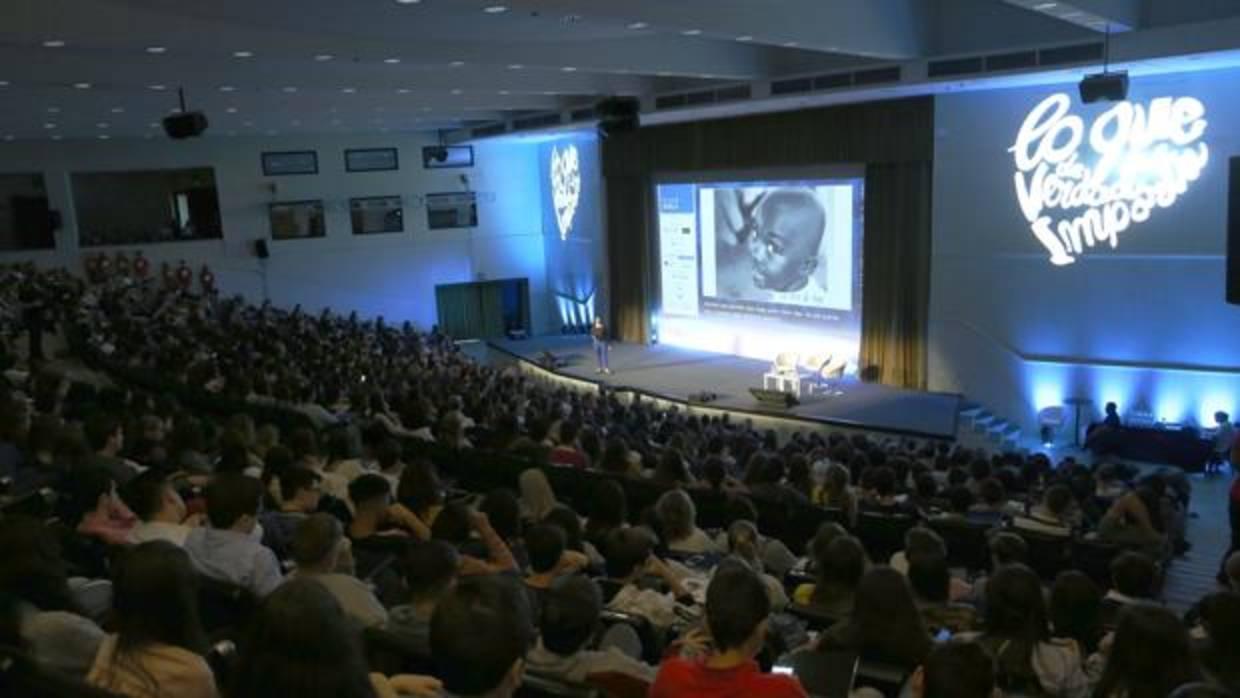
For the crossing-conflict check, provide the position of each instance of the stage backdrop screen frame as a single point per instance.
(756, 263)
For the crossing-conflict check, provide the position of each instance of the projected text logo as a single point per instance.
(565, 186)
(1081, 186)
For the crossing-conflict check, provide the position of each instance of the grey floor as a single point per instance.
(677, 373)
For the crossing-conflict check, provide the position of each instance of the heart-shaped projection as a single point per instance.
(565, 186)
(1132, 159)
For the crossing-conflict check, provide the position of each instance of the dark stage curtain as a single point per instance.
(893, 139)
(896, 295)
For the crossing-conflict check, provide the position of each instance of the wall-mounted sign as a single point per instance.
(565, 186)
(1080, 185)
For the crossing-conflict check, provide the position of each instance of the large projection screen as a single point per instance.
(759, 263)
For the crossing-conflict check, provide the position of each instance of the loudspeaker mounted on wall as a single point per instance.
(1233, 232)
(260, 248)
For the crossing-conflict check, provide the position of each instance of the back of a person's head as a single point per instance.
(419, 486)
(32, 568)
(1008, 548)
(315, 539)
(503, 510)
(296, 479)
(676, 515)
(1150, 656)
(570, 614)
(1057, 499)
(626, 550)
(844, 564)
(545, 545)
(231, 496)
(100, 427)
(370, 491)
(430, 569)
(567, 521)
(992, 491)
(1075, 607)
(920, 540)
(736, 604)
(823, 537)
(930, 576)
(1015, 606)
(608, 505)
(958, 669)
(144, 495)
(1133, 574)
(153, 597)
(453, 524)
(884, 600)
(300, 643)
(479, 633)
(1220, 616)
(743, 540)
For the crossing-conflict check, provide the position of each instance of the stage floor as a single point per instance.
(675, 373)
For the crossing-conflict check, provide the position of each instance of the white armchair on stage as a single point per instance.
(786, 375)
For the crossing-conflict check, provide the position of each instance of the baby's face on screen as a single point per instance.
(784, 247)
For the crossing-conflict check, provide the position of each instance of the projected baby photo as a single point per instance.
(771, 245)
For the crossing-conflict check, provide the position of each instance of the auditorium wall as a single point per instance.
(1142, 323)
(392, 274)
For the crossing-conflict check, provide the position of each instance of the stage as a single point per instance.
(674, 374)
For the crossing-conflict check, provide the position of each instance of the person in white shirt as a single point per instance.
(678, 518)
(154, 500)
(316, 549)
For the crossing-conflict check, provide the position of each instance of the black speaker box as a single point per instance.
(260, 249)
(187, 125)
(1233, 232)
(1110, 87)
(774, 398)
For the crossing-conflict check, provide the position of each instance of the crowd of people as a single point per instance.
(156, 545)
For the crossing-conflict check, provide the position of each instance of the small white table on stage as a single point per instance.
(785, 382)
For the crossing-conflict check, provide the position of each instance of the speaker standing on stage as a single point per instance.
(599, 332)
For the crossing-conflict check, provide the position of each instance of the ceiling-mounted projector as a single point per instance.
(186, 124)
(1105, 87)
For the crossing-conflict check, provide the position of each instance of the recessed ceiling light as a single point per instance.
(82, 85)
(457, 91)
(569, 69)
(495, 9)
(691, 32)
(638, 25)
(49, 125)
(790, 44)
(243, 123)
(290, 89)
(174, 110)
(391, 60)
(243, 54)
(515, 66)
(324, 57)
(548, 92)
(745, 37)
(158, 87)
(4, 83)
(54, 43)
(402, 90)
(227, 88)
(118, 110)
(104, 136)
(231, 110)
(408, 2)
(457, 64)
(156, 49)
(53, 110)
(153, 124)
(505, 92)
(349, 90)
(295, 122)
(102, 124)
(56, 137)
(1046, 6)
(8, 136)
